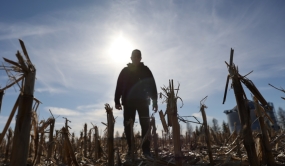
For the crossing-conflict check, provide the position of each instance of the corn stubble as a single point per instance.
(41, 144)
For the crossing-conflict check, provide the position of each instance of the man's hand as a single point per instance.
(118, 106)
(154, 108)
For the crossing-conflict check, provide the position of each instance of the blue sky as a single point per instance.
(80, 47)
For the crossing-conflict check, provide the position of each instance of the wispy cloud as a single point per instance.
(63, 111)
(94, 114)
(22, 30)
(53, 90)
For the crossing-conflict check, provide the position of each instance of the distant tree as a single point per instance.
(123, 135)
(170, 135)
(216, 127)
(225, 127)
(189, 129)
(181, 129)
(117, 135)
(281, 117)
(197, 131)
(201, 129)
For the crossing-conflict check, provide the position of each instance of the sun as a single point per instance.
(120, 49)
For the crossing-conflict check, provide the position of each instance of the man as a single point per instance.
(135, 86)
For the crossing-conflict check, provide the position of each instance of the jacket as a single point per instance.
(135, 83)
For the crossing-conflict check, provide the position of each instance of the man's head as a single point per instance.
(136, 57)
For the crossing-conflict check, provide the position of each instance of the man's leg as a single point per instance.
(129, 113)
(143, 110)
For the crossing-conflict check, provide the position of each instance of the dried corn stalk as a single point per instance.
(281, 89)
(207, 134)
(171, 111)
(69, 151)
(22, 128)
(9, 137)
(85, 140)
(9, 119)
(97, 146)
(243, 109)
(51, 140)
(267, 149)
(111, 122)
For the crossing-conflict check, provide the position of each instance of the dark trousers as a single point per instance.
(130, 109)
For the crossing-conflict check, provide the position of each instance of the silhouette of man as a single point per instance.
(136, 86)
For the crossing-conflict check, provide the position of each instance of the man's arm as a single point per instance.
(119, 90)
(153, 90)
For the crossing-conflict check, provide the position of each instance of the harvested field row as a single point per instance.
(36, 142)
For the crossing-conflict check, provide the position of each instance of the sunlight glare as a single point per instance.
(120, 50)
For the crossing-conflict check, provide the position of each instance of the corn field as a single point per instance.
(37, 142)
